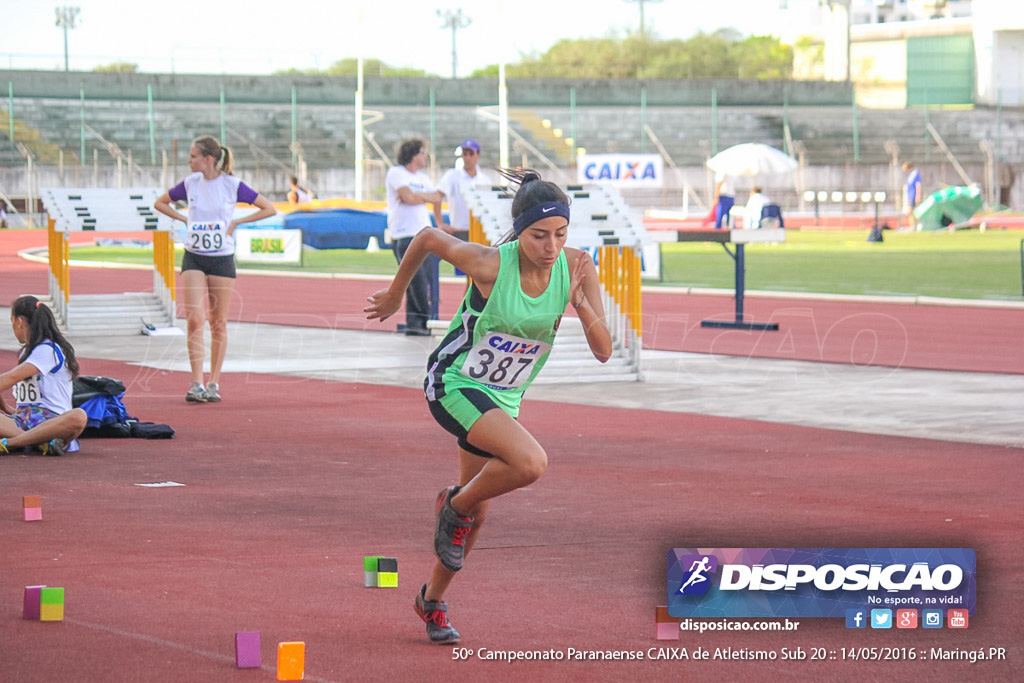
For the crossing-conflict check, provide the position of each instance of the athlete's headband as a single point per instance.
(539, 212)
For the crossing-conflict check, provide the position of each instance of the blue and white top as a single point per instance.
(50, 387)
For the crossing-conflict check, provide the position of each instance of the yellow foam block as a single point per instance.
(387, 579)
(51, 612)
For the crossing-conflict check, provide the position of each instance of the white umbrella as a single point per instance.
(752, 159)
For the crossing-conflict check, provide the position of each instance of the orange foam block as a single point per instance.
(291, 661)
(661, 616)
(33, 506)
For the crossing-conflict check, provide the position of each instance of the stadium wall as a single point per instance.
(417, 91)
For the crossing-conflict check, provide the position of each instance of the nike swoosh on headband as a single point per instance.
(535, 213)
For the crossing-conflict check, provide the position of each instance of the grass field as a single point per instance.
(966, 264)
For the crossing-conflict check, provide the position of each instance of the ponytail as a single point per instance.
(211, 147)
(42, 326)
(227, 160)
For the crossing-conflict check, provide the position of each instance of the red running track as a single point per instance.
(284, 497)
(960, 338)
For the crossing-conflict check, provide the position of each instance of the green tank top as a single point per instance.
(499, 344)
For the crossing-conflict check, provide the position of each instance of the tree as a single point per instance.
(764, 58)
(350, 67)
(722, 54)
(117, 67)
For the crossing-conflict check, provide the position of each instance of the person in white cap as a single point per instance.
(467, 174)
(455, 179)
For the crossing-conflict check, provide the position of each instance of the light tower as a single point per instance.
(643, 28)
(453, 19)
(66, 20)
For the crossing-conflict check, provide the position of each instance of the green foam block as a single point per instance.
(51, 596)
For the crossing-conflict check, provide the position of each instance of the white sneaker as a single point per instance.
(196, 393)
(212, 393)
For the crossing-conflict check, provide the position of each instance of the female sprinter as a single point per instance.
(43, 415)
(208, 268)
(495, 346)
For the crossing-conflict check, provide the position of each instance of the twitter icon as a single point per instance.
(881, 618)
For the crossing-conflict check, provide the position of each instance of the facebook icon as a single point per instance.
(856, 618)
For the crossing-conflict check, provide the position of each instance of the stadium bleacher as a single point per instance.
(837, 151)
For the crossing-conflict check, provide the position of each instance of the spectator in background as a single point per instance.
(725, 198)
(409, 190)
(755, 205)
(208, 266)
(452, 184)
(298, 194)
(455, 179)
(911, 192)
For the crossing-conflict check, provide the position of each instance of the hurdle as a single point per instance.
(604, 226)
(843, 199)
(108, 210)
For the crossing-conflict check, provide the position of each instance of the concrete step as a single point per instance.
(114, 314)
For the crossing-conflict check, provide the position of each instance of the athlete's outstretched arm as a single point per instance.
(585, 297)
(479, 262)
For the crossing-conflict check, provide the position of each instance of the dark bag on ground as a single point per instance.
(101, 399)
(151, 430)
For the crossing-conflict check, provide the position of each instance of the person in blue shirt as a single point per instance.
(912, 192)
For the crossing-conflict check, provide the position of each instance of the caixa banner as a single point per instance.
(816, 582)
(621, 169)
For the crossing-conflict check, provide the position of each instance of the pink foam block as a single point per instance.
(33, 514)
(32, 597)
(247, 650)
(667, 631)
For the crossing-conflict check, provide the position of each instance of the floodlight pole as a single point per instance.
(453, 19)
(66, 19)
(640, 3)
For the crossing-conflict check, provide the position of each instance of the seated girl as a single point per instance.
(43, 417)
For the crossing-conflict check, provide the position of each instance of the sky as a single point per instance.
(259, 36)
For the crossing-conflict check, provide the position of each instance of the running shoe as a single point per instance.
(452, 529)
(435, 614)
(3, 447)
(54, 447)
(212, 393)
(196, 393)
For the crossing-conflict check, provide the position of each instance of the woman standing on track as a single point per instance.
(42, 380)
(495, 346)
(208, 269)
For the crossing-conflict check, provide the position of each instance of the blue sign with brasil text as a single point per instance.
(816, 582)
